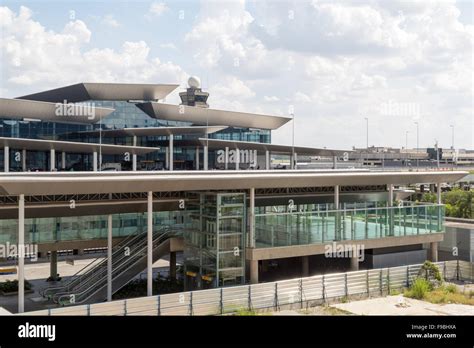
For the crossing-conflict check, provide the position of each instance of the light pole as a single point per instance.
(437, 152)
(293, 164)
(367, 132)
(455, 160)
(406, 147)
(417, 143)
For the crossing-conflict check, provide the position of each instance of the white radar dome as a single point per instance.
(194, 82)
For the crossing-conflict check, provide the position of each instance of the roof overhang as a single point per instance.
(129, 182)
(211, 117)
(53, 112)
(154, 131)
(73, 147)
(103, 91)
(274, 148)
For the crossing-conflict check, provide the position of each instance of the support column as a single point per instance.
(63, 160)
(354, 263)
(6, 159)
(52, 160)
(305, 266)
(53, 266)
(21, 253)
(134, 156)
(206, 158)
(226, 164)
(434, 251)
(167, 158)
(390, 205)
(253, 271)
(295, 161)
(171, 152)
(237, 159)
(94, 161)
(150, 244)
(173, 265)
(23, 160)
(337, 217)
(334, 162)
(267, 160)
(252, 219)
(438, 193)
(197, 157)
(109, 257)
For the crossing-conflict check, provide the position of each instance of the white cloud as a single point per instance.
(271, 98)
(168, 46)
(110, 21)
(157, 9)
(34, 58)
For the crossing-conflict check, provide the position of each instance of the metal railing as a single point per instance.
(300, 292)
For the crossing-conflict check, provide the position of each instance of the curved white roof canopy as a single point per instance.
(103, 91)
(73, 147)
(53, 112)
(153, 131)
(282, 149)
(211, 117)
(128, 182)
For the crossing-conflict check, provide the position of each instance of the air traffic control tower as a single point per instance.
(194, 96)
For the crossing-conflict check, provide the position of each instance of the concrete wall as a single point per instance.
(397, 259)
(460, 235)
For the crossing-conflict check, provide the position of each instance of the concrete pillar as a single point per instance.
(354, 263)
(253, 271)
(52, 160)
(94, 161)
(438, 193)
(336, 197)
(23, 160)
(150, 244)
(434, 251)
(305, 266)
(252, 219)
(267, 160)
(167, 158)
(173, 265)
(226, 164)
(53, 266)
(63, 160)
(334, 162)
(171, 137)
(6, 159)
(237, 159)
(134, 156)
(206, 158)
(338, 216)
(295, 161)
(197, 157)
(21, 253)
(390, 195)
(109, 257)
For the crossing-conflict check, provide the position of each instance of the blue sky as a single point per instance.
(332, 62)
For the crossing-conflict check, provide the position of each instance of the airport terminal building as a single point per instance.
(111, 165)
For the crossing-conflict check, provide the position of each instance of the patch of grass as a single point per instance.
(395, 292)
(418, 289)
(245, 312)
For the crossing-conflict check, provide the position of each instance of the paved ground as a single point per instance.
(399, 305)
(37, 273)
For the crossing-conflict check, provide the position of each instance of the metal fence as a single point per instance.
(301, 292)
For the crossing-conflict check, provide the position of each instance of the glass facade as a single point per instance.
(320, 223)
(214, 237)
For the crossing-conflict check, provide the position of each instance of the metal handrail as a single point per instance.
(137, 257)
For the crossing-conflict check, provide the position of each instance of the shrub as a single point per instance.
(12, 286)
(419, 288)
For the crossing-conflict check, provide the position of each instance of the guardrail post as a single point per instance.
(250, 297)
(367, 282)
(191, 303)
(457, 269)
(324, 289)
(125, 307)
(49, 311)
(158, 300)
(408, 276)
(345, 285)
(276, 296)
(301, 292)
(88, 309)
(381, 281)
(221, 302)
(388, 280)
(444, 270)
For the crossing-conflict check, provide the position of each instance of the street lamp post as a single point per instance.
(367, 137)
(417, 144)
(406, 147)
